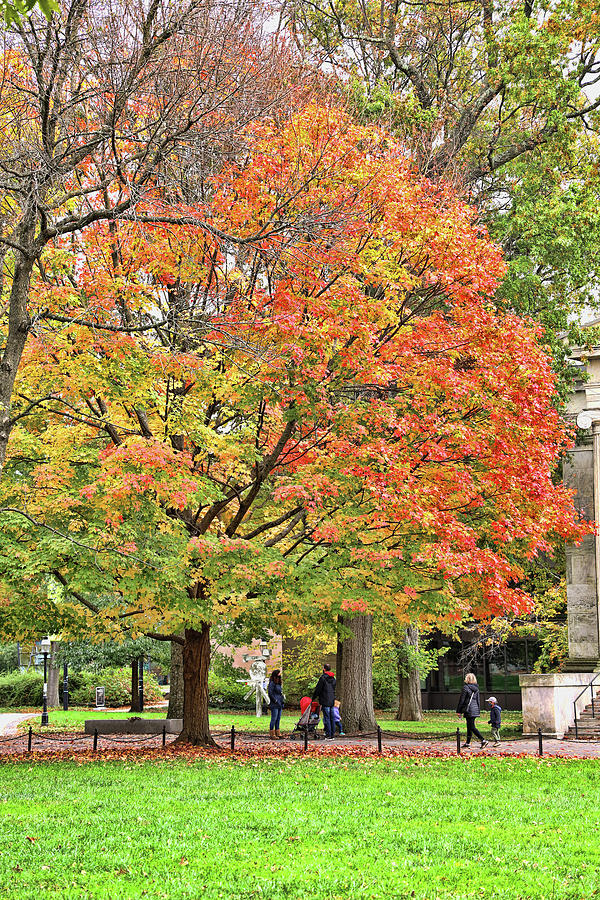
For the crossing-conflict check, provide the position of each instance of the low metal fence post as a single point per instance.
(29, 739)
(95, 739)
(458, 741)
(379, 739)
(164, 735)
(233, 737)
(306, 737)
(540, 743)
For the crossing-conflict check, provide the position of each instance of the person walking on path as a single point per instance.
(468, 706)
(495, 719)
(324, 692)
(275, 692)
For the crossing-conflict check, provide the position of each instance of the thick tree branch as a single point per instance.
(87, 603)
(117, 329)
(461, 132)
(262, 471)
(273, 524)
(505, 156)
(285, 531)
(156, 636)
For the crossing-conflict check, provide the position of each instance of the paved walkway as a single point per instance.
(250, 743)
(517, 747)
(9, 722)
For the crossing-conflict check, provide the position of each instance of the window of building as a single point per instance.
(497, 671)
(516, 663)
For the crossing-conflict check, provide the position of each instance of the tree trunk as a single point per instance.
(339, 659)
(18, 330)
(175, 710)
(410, 708)
(196, 660)
(135, 688)
(53, 677)
(357, 676)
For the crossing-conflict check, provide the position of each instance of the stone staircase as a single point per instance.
(588, 724)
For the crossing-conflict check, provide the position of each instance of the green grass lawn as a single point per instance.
(441, 723)
(298, 829)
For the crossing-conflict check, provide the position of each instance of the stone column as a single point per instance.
(582, 473)
(548, 699)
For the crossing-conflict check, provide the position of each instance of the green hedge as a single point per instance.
(22, 690)
(385, 687)
(117, 688)
(226, 693)
(18, 689)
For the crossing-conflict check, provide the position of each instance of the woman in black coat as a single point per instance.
(468, 706)
(275, 692)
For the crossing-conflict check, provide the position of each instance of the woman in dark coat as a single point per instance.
(275, 692)
(468, 706)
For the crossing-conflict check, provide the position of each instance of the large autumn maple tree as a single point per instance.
(331, 420)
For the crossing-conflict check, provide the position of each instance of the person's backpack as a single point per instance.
(468, 706)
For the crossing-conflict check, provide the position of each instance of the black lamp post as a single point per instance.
(46, 648)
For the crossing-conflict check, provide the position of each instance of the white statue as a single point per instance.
(258, 674)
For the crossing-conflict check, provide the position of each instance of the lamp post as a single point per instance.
(46, 648)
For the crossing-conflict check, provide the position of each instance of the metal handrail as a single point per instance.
(581, 693)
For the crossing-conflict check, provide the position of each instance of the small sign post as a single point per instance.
(100, 698)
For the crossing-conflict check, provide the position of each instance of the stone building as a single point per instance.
(550, 702)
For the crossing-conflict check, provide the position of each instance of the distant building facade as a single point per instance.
(497, 670)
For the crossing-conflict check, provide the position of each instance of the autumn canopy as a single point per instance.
(296, 400)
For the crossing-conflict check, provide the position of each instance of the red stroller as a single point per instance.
(309, 719)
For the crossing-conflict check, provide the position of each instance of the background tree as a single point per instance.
(502, 100)
(13, 11)
(471, 86)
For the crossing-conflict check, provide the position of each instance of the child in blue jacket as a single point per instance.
(495, 719)
(337, 718)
